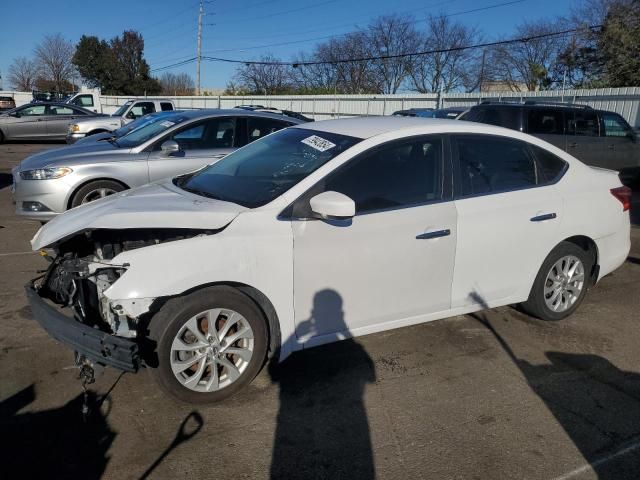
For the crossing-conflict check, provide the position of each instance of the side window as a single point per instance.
(490, 164)
(259, 127)
(212, 133)
(84, 101)
(166, 107)
(545, 121)
(34, 110)
(507, 117)
(141, 109)
(614, 125)
(55, 110)
(393, 176)
(551, 167)
(583, 123)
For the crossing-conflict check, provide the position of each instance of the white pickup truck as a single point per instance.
(88, 100)
(128, 112)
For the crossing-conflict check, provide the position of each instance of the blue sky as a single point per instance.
(235, 29)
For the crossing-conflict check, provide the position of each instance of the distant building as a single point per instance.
(496, 86)
(212, 92)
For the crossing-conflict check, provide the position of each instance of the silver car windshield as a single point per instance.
(119, 112)
(265, 169)
(146, 132)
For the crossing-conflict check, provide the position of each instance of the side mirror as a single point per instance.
(131, 115)
(14, 114)
(169, 147)
(332, 206)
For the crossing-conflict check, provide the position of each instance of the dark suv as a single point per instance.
(597, 137)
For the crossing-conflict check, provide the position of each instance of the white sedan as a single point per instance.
(321, 232)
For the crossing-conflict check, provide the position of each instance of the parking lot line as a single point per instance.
(599, 462)
(8, 254)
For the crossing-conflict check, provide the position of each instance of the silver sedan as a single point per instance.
(50, 182)
(40, 121)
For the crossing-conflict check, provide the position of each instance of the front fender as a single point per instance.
(263, 261)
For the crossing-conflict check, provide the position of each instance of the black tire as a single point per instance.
(536, 304)
(90, 187)
(166, 324)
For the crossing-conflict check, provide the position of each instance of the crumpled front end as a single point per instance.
(69, 301)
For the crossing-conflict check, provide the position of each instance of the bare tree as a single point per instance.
(529, 63)
(265, 79)
(22, 74)
(392, 35)
(176, 84)
(450, 66)
(53, 57)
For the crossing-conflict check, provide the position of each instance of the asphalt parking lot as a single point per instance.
(486, 396)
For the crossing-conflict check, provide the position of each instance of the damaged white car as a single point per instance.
(321, 232)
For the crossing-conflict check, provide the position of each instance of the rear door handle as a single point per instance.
(542, 218)
(612, 146)
(573, 145)
(436, 234)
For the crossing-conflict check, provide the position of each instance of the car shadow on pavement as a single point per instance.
(53, 443)
(322, 428)
(6, 179)
(596, 403)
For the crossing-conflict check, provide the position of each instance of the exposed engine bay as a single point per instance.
(83, 269)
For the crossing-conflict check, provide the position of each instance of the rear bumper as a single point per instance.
(96, 345)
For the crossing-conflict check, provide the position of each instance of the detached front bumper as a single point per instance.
(96, 345)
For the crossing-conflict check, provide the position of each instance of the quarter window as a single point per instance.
(393, 176)
(550, 166)
(166, 107)
(507, 117)
(492, 164)
(84, 101)
(614, 125)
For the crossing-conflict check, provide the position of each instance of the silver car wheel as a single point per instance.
(212, 350)
(97, 194)
(564, 283)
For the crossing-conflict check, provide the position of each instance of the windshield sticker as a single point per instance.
(318, 143)
(167, 124)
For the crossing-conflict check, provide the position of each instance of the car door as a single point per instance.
(547, 124)
(508, 216)
(58, 119)
(622, 149)
(201, 143)
(28, 123)
(583, 137)
(393, 262)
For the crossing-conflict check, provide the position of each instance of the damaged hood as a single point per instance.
(157, 205)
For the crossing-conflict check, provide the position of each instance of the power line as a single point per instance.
(387, 57)
(410, 22)
(404, 55)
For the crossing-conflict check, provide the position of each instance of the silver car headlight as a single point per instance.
(45, 173)
(74, 127)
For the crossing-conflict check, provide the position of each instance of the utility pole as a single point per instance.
(200, 15)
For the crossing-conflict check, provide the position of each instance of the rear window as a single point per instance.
(583, 123)
(507, 117)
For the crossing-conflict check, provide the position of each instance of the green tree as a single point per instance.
(118, 67)
(619, 44)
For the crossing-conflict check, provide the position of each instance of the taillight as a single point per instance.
(624, 195)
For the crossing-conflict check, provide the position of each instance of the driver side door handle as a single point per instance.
(435, 234)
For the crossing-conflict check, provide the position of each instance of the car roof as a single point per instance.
(366, 127)
(235, 112)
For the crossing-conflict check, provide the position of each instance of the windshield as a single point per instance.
(119, 112)
(147, 131)
(140, 122)
(265, 169)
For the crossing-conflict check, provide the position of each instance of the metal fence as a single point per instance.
(625, 101)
